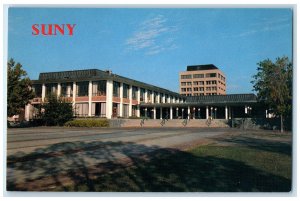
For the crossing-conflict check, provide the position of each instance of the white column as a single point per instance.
(207, 112)
(74, 92)
(173, 100)
(154, 113)
(229, 111)
(27, 112)
(58, 89)
(226, 112)
(164, 98)
(189, 111)
(266, 113)
(152, 97)
(146, 96)
(246, 109)
(43, 92)
(90, 98)
(138, 113)
(158, 97)
(160, 114)
(109, 94)
(130, 100)
(171, 112)
(68, 91)
(177, 112)
(121, 100)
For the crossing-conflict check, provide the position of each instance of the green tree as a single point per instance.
(19, 90)
(273, 84)
(56, 111)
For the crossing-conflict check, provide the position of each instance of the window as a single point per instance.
(183, 83)
(201, 88)
(134, 92)
(183, 89)
(189, 83)
(208, 88)
(125, 110)
(211, 75)
(186, 76)
(116, 89)
(37, 90)
(161, 97)
(149, 93)
(189, 89)
(82, 89)
(125, 91)
(51, 89)
(82, 109)
(67, 89)
(195, 88)
(198, 76)
(201, 83)
(142, 95)
(99, 88)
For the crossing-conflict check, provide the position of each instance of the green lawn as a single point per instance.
(245, 166)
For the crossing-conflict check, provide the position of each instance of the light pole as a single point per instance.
(199, 113)
(211, 112)
(182, 113)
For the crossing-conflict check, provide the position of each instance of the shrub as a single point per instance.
(88, 123)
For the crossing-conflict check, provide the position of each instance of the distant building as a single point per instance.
(201, 80)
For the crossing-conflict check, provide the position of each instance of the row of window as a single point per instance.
(199, 94)
(190, 76)
(209, 82)
(99, 89)
(199, 89)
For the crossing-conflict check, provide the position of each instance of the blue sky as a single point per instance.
(152, 45)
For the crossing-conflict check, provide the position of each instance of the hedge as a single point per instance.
(87, 123)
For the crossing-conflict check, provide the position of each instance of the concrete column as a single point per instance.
(27, 112)
(154, 113)
(169, 99)
(189, 111)
(171, 112)
(173, 100)
(164, 98)
(90, 98)
(130, 100)
(226, 112)
(43, 92)
(146, 96)
(152, 97)
(160, 114)
(109, 94)
(158, 98)
(74, 93)
(138, 112)
(121, 100)
(266, 113)
(207, 112)
(246, 109)
(58, 89)
(68, 91)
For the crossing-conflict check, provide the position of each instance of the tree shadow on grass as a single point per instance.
(130, 167)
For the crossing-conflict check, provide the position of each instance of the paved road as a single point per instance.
(29, 139)
(34, 153)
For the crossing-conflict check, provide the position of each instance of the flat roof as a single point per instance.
(201, 67)
(94, 75)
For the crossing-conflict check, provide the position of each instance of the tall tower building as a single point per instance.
(201, 80)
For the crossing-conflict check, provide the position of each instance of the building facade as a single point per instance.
(98, 93)
(201, 80)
